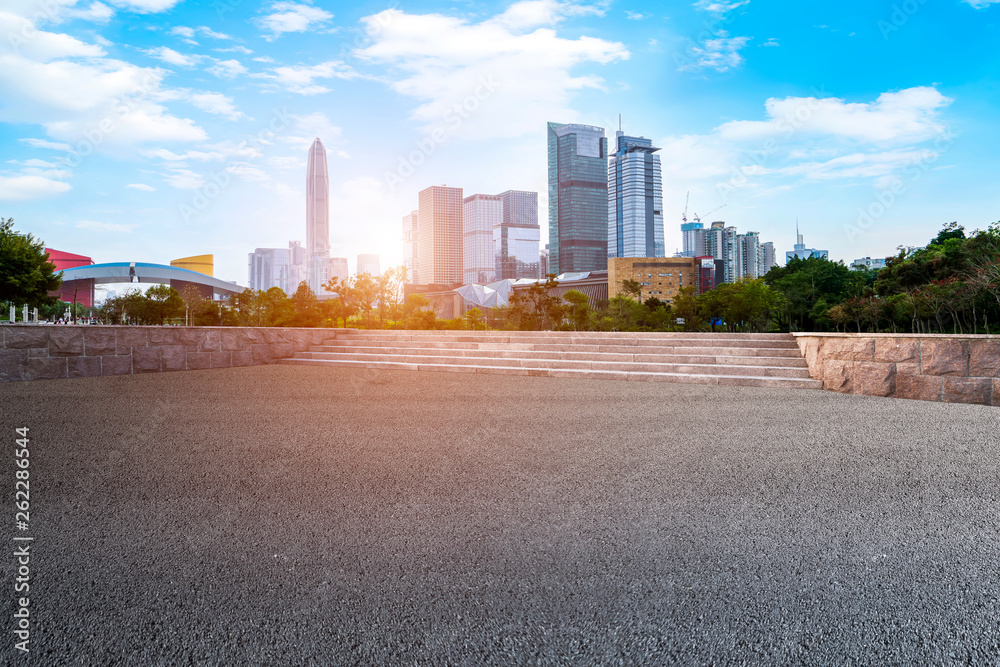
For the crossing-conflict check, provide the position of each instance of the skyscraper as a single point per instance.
(317, 215)
(720, 243)
(748, 255)
(481, 215)
(801, 251)
(578, 198)
(439, 238)
(516, 240)
(410, 227)
(635, 199)
(768, 257)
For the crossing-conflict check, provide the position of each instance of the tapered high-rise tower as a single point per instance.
(317, 216)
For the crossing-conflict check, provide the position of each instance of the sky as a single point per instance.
(148, 130)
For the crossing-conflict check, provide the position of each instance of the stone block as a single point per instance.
(128, 338)
(812, 350)
(83, 367)
(164, 336)
(232, 339)
(18, 337)
(897, 350)
(919, 387)
(199, 360)
(908, 369)
(208, 340)
(173, 357)
(242, 358)
(99, 342)
(849, 349)
(282, 350)
(968, 390)
(38, 351)
(116, 364)
(66, 341)
(47, 368)
(872, 378)
(984, 359)
(13, 365)
(261, 354)
(146, 360)
(221, 359)
(838, 375)
(996, 393)
(945, 357)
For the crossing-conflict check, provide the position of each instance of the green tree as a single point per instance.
(474, 319)
(305, 305)
(26, 274)
(579, 309)
(633, 289)
(366, 291)
(163, 303)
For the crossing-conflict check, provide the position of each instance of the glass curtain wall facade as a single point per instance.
(439, 238)
(694, 237)
(410, 226)
(578, 198)
(635, 199)
(481, 215)
(516, 240)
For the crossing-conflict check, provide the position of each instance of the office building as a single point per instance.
(578, 198)
(439, 237)
(516, 240)
(410, 223)
(868, 263)
(748, 256)
(317, 215)
(694, 237)
(802, 252)
(704, 273)
(543, 261)
(635, 199)
(660, 277)
(284, 268)
(369, 264)
(481, 216)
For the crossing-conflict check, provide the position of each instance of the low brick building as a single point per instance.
(659, 277)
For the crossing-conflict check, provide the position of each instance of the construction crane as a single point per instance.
(687, 200)
(697, 219)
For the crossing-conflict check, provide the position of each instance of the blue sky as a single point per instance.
(148, 130)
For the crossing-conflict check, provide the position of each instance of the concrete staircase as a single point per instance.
(756, 360)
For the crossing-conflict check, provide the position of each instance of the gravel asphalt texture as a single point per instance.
(297, 515)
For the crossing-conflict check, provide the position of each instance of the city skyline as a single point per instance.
(157, 129)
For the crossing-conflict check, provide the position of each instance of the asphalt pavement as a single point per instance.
(298, 515)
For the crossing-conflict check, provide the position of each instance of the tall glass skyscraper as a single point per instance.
(317, 215)
(439, 235)
(578, 198)
(635, 199)
(410, 226)
(481, 214)
(516, 240)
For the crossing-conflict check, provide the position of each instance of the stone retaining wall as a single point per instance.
(943, 368)
(42, 352)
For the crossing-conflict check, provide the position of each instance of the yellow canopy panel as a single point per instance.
(200, 263)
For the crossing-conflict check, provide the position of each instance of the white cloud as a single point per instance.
(721, 53)
(982, 4)
(22, 38)
(184, 179)
(501, 77)
(218, 104)
(903, 116)
(97, 12)
(635, 16)
(145, 6)
(285, 17)
(172, 57)
(299, 78)
(236, 49)
(141, 186)
(306, 128)
(771, 41)
(77, 95)
(720, 6)
(96, 226)
(170, 156)
(227, 69)
(43, 143)
(23, 188)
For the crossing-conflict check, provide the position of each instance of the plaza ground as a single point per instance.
(303, 515)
